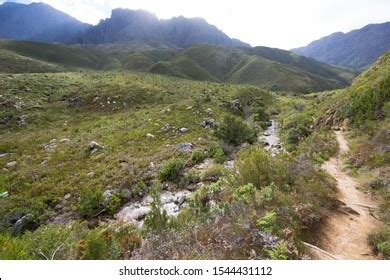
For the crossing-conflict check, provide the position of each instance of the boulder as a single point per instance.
(236, 105)
(93, 146)
(166, 128)
(11, 164)
(208, 123)
(184, 130)
(185, 147)
(25, 223)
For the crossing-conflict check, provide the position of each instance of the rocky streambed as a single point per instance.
(174, 201)
(271, 140)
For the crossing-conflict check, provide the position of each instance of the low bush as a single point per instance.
(213, 173)
(234, 131)
(172, 170)
(268, 222)
(91, 202)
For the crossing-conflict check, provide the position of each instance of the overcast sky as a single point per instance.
(274, 23)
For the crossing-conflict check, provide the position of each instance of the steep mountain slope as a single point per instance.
(38, 22)
(127, 25)
(276, 69)
(356, 49)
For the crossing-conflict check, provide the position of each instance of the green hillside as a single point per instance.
(271, 68)
(25, 57)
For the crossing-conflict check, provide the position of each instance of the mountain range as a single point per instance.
(357, 49)
(40, 22)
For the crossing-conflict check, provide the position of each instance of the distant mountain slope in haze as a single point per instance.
(38, 22)
(127, 25)
(357, 49)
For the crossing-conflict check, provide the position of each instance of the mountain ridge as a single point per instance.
(356, 49)
(42, 23)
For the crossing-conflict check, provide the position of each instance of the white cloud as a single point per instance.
(275, 23)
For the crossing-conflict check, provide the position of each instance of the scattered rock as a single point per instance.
(166, 128)
(93, 147)
(209, 111)
(236, 105)
(25, 223)
(184, 130)
(22, 120)
(185, 147)
(208, 123)
(90, 174)
(67, 196)
(51, 146)
(149, 135)
(4, 195)
(11, 164)
(58, 207)
(107, 194)
(44, 161)
(181, 199)
(64, 141)
(3, 155)
(229, 165)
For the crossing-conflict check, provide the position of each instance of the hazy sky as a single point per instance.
(273, 23)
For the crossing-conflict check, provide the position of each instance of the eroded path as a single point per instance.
(345, 233)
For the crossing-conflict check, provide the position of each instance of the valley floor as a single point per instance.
(346, 232)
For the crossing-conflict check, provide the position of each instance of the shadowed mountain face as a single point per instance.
(127, 25)
(40, 22)
(357, 49)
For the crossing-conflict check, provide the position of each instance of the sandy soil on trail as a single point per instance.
(345, 233)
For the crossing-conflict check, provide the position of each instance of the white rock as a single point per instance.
(11, 164)
(149, 135)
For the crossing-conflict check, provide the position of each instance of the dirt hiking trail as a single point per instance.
(344, 235)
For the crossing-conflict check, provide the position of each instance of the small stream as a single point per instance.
(271, 140)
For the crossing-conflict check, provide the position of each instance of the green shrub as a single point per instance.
(245, 193)
(172, 170)
(199, 156)
(13, 248)
(96, 246)
(91, 202)
(261, 115)
(213, 173)
(280, 252)
(296, 134)
(193, 177)
(381, 242)
(268, 222)
(234, 131)
(259, 168)
(113, 204)
(219, 156)
(319, 146)
(157, 220)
